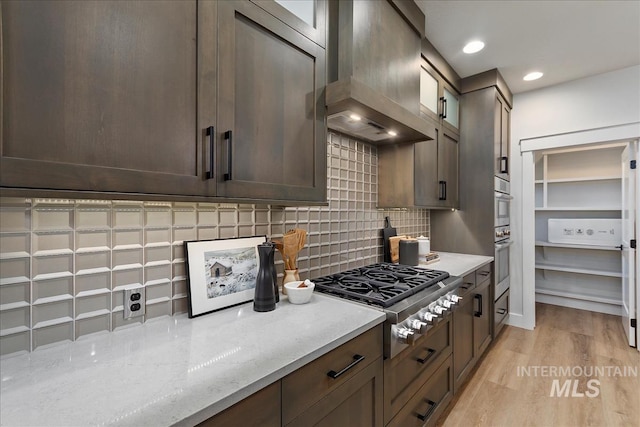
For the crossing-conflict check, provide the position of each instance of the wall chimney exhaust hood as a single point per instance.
(355, 109)
(374, 53)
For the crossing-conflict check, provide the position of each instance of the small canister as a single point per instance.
(424, 246)
(408, 249)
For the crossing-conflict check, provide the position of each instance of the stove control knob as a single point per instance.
(418, 326)
(406, 336)
(454, 298)
(499, 233)
(445, 303)
(428, 316)
(437, 309)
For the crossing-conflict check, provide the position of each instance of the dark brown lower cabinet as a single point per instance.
(409, 370)
(260, 409)
(340, 388)
(357, 402)
(311, 396)
(463, 319)
(430, 400)
(482, 317)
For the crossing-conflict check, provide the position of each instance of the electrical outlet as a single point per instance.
(134, 302)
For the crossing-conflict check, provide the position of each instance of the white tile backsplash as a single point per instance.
(64, 263)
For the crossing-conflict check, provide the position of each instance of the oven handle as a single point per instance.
(500, 246)
(503, 196)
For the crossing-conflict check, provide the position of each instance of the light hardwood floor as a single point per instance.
(496, 395)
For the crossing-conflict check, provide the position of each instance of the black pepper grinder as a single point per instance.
(265, 298)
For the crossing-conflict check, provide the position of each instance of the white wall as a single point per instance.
(599, 101)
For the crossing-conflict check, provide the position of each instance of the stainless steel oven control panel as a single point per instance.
(407, 332)
(502, 233)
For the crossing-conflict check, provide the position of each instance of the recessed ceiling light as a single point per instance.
(532, 76)
(392, 133)
(473, 47)
(355, 117)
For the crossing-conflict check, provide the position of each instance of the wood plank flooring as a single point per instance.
(501, 393)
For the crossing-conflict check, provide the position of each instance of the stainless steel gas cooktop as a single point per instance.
(414, 299)
(381, 284)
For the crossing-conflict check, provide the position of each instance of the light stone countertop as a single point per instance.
(173, 369)
(458, 264)
(176, 370)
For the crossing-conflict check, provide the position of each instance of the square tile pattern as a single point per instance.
(64, 263)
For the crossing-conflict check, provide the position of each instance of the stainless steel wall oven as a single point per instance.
(502, 237)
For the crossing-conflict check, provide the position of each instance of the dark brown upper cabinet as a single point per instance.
(495, 110)
(152, 99)
(439, 100)
(271, 114)
(308, 17)
(107, 96)
(422, 174)
(502, 137)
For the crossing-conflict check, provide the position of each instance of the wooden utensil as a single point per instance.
(394, 249)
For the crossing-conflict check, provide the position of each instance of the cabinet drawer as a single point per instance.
(260, 409)
(430, 400)
(405, 373)
(357, 402)
(483, 273)
(312, 382)
(501, 312)
(468, 284)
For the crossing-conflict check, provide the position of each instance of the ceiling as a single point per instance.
(565, 40)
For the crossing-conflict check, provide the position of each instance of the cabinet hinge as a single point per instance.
(633, 243)
(633, 164)
(633, 323)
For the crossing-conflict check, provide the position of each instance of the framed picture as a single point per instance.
(221, 273)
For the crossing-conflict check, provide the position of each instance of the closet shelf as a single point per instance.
(573, 246)
(582, 179)
(541, 266)
(579, 208)
(583, 297)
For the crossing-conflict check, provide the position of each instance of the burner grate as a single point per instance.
(382, 284)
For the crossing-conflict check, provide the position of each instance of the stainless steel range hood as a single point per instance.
(357, 110)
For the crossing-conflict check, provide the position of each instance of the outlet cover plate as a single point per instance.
(134, 302)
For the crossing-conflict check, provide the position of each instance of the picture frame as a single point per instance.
(221, 273)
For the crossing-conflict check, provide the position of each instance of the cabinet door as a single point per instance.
(426, 189)
(463, 348)
(271, 112)
(429, 91)
(260, 409)
(448, 169)
(502, 129)
(483, 308)
(107, 96)
(429, 402)
(450, 109)
(357, 402)
(308, 17)
(436, 171)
